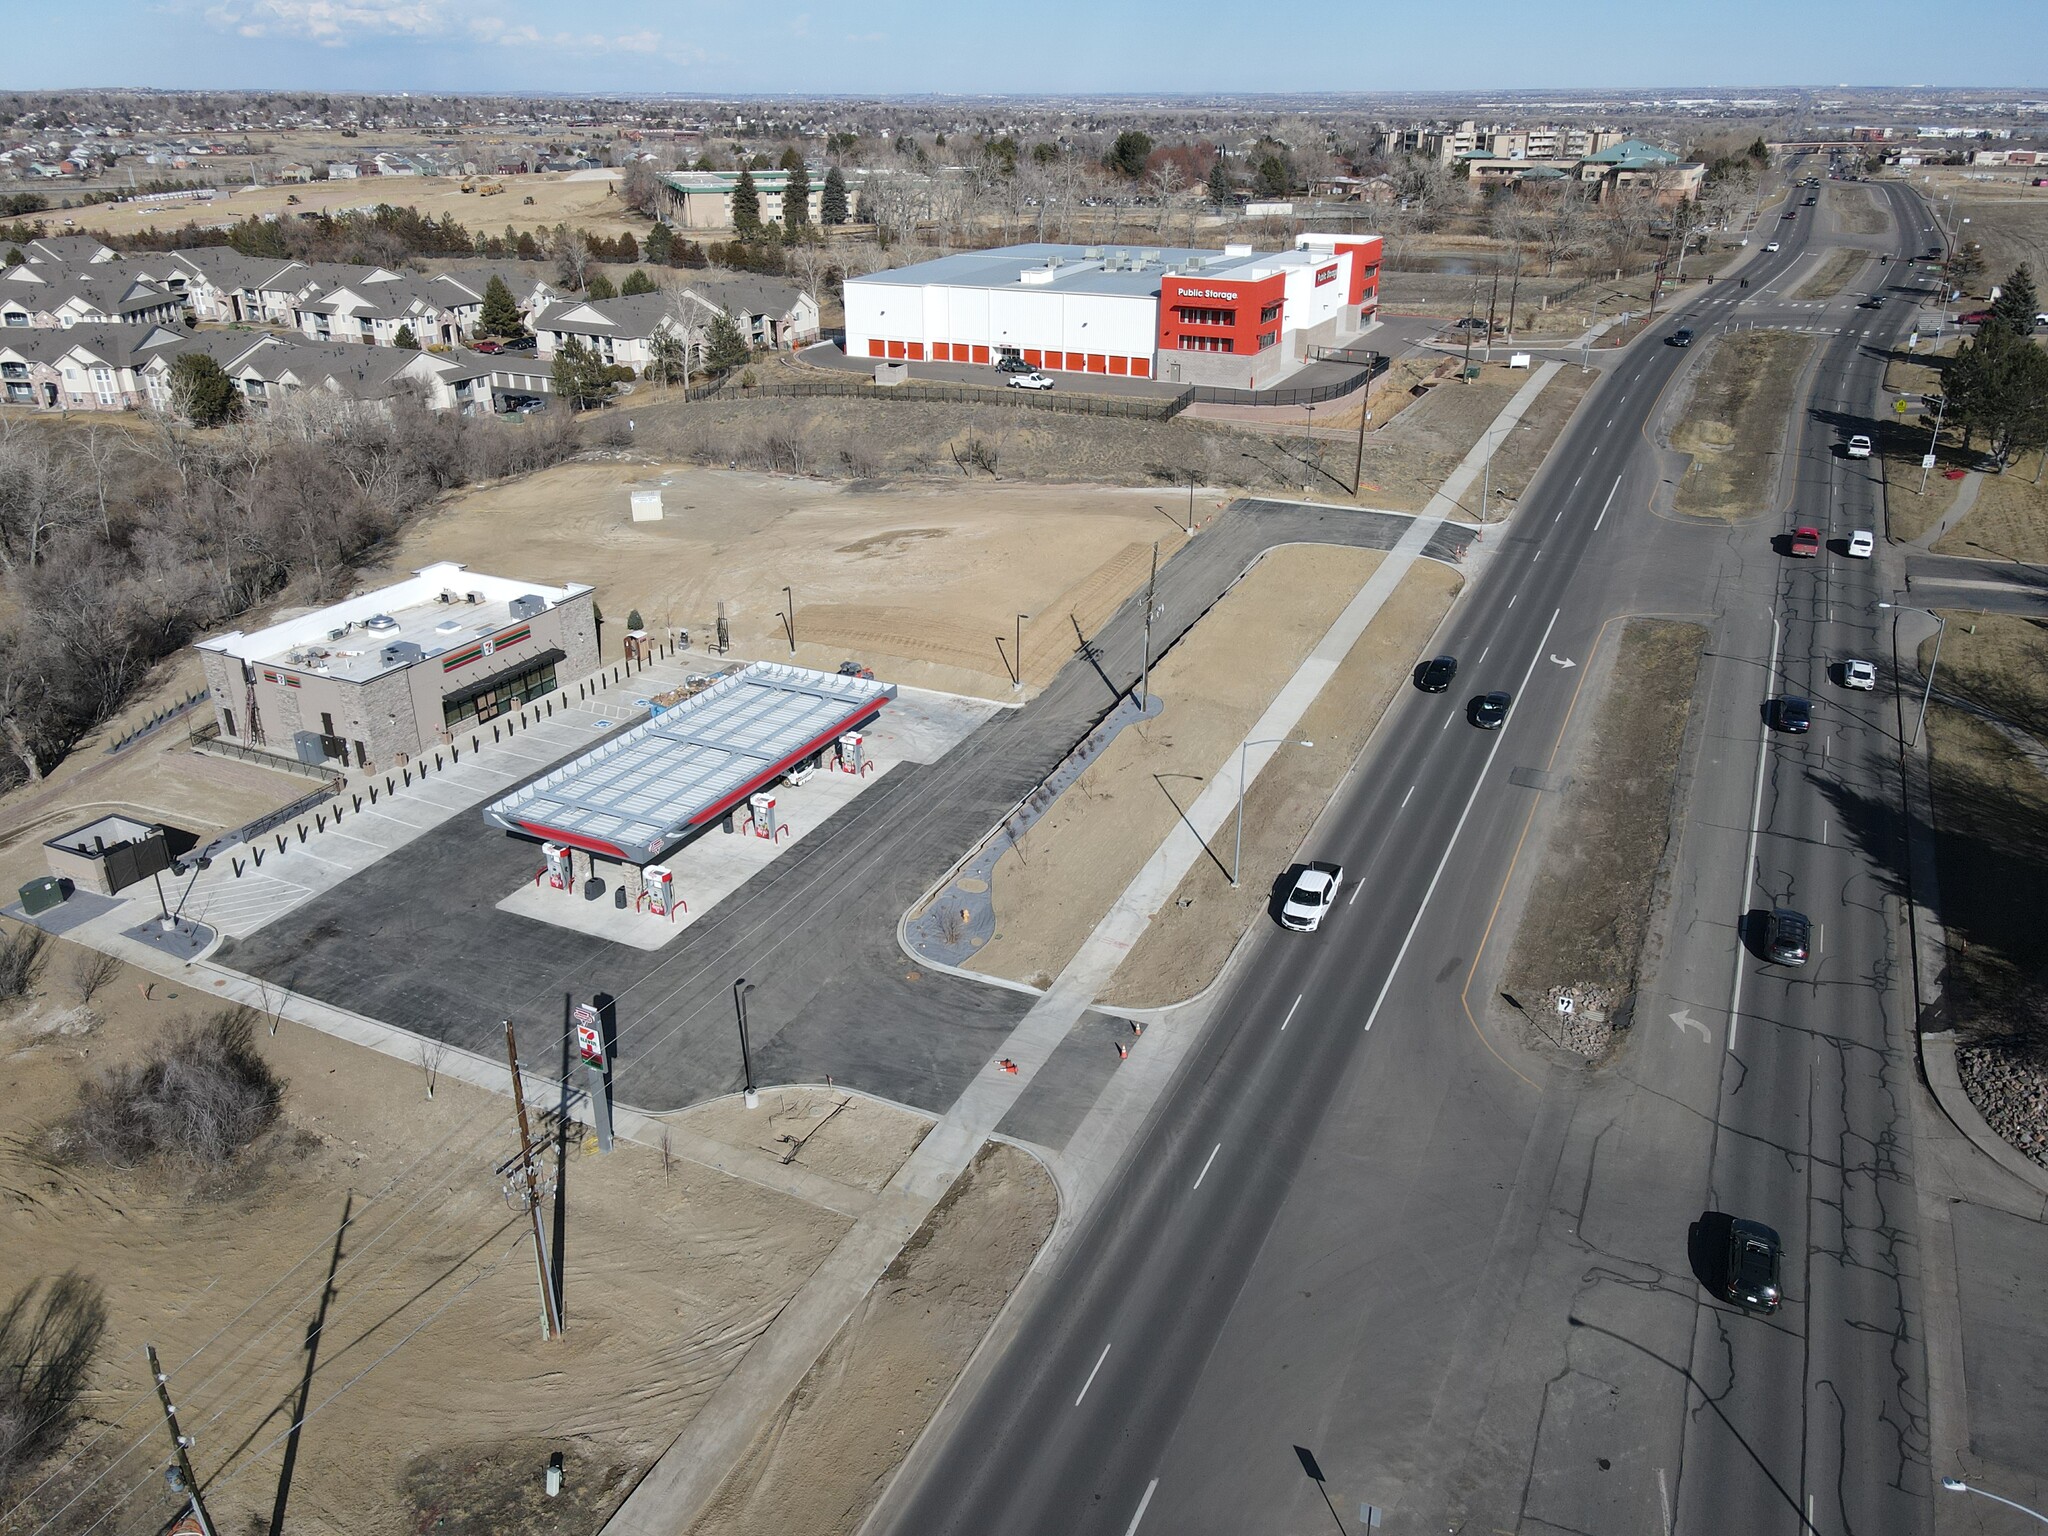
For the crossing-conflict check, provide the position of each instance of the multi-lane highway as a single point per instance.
(1369, 1226)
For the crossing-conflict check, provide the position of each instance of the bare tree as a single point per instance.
(92, 970)
(431, 1053)
(571, 254)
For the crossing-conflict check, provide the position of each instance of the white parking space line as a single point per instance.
(1290, 1012)
(1211, 1158)
(1091, 1375)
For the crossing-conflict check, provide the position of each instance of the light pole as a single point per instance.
(1237, 854)
(1940, 634)
(789, 620)
(1312, 443)
(740, 989)
(1957, 1485)
(1933, 438)
(1017, 654)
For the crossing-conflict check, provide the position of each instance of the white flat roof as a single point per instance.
(1132, 271)
(640, 792)
(411, 610)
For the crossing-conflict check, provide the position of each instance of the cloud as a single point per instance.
(495, 29)
(330, 23)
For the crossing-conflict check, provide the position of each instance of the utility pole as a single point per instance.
(1492, 307)
(790, 598)
(1364, 420)
(186, 1483)
(1145, 667)
(530, 1191)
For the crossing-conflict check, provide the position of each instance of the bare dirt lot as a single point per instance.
(1408, 460)
(1547, 307)
(1053, 886)
(1190, 938)
(432, 1386)
(1592, 898)
(919, 579)
(1857, 211)
(825, 1459)
(579, 199)
(1733, 422)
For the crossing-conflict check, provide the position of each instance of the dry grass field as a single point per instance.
(1733, 423)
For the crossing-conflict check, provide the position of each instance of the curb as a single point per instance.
(1938, 1065)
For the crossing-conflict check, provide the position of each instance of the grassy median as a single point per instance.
(1734, 423)
(1590, 906)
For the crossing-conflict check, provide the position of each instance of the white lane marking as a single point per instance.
(1756, 811)
(1511, 598)
(1596, 450)
(1819, 933)
(1447, 723)
(1823, 831)
(1606, 504)
(1203, 1174)
(1537, 556)
(1575, 483)
(1482, 657)
(1354, 893)
(1132, 1528)
(1451, 847)
(1091, 1375)
(1404, 806)
(1290, 1012)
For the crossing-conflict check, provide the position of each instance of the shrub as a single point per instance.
(21, 961)
(45, 1353)
(198, 1098)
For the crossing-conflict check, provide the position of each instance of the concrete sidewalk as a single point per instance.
(689, 1472)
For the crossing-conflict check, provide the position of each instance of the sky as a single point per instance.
(899, 47)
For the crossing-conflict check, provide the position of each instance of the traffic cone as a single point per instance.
(1123, 1052)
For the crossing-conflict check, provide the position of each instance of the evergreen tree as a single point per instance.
(1274, 176)
(725, 348)
(2017, 303)
(626, 248)
(637, 281)
(1220, 192)
(599, 287)
(1128, 155)
(660, 245)
(796, 193)
(405, 341)
(501, 311)
(832, 205)
(746, 206)
(1998, 385)
(528, 247)
(203, 392)
(579, 375)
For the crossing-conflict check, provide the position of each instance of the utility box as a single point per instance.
(42, 894)
(647, 506)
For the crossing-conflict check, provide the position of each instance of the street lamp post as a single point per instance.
(1933, 438)
(1940, 633)
(740, 989)
(1237, 854)
(1957, 1485)
(1017, 654)
(789, 600)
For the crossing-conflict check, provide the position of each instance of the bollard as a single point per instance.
(238, 865)
(389, 787)
(358, 799)
(373, 794)
(475, 743)
(319, 822)
(300, 828)
(257, 862)
(408, 776)
(280, 842)
(437, 759)
(494, 732)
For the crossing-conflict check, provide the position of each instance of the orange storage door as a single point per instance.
(1097, 363)
(895, 349)
(1119, 365)
(981, 354)
(875, 348)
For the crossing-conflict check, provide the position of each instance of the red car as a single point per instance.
(1806, 541)
(1974, 317)
(486, 346)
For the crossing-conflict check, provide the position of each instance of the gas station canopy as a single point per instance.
(639, 793)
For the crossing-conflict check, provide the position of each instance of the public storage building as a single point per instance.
(1237, 318)
(373, 679)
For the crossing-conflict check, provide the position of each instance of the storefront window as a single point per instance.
(502, 699)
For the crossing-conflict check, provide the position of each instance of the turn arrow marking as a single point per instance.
(1564, 661)
(1684, 1020)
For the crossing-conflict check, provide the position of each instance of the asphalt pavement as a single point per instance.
(1371, 1249)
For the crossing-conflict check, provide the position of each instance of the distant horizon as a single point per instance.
(719, 50)
(1690, 91)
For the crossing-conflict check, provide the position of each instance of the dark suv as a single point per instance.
(1682, 337)
(1751, 1277)
(1786, 936)
(1010, 362)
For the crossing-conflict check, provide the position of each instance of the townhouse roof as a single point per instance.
(634, 316)
(745, 293)
(68, 249)
(114, 345)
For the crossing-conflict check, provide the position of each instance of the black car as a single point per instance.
(1682, 337)
(1470, 323)
(1875, 301)
(1435, 676)
(1787, 936)
(1791, 714)
(523, 344)
(1754, 1256)
(1490, 710)
(1010, 362)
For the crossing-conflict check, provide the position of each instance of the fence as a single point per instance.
(1313, 394)
(249, 831)
(206, 738)
(161, 718)
(967, 394)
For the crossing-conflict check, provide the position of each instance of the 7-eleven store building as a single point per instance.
(1238, 318)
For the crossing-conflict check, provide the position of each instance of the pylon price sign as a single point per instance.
(589, 1037)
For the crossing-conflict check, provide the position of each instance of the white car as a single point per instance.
(1860, 675)
(1859, 448)
(1861, 544)
(1315, 892)
(1772, 246)
(1030, 381)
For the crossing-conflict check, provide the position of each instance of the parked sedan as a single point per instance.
(1490, 710)
(1030, 381)
(1791, 714)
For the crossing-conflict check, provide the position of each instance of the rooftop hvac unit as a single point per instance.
(528, 605)
(1197, 263)
(401, 653)
(338, 634)
(383, 623)
(472, 597)
(1092, 253)
(448, 595)
(1148, 257)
